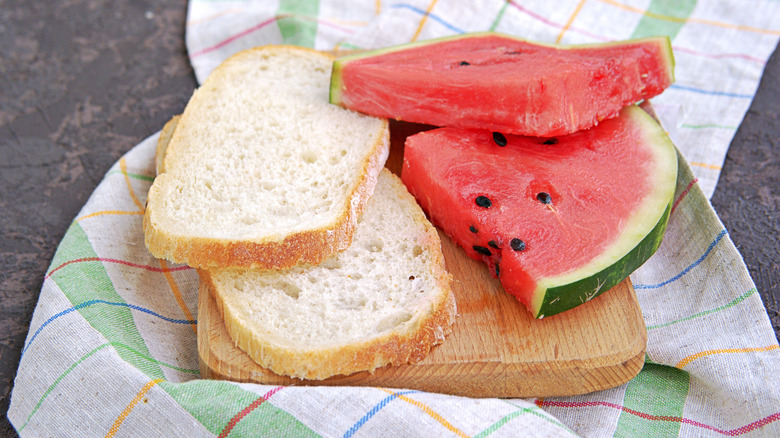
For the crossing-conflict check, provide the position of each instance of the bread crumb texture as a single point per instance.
(385, 299)
(260, 155)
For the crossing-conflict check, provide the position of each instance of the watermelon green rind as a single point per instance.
(636, 245)
(335, 79)
(561, 298)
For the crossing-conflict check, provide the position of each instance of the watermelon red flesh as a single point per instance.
(610, 188)
(510, 85)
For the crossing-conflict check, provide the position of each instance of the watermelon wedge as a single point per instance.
(558, 220)
(503, 83)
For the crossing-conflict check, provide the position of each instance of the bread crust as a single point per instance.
(162, 143)
(310, 246)
(391, 349)
(409, 345)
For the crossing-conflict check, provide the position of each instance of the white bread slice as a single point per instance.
(261, 170)
(387, 299)
(162, 144)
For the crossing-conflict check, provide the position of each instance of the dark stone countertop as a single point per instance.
(84, 81)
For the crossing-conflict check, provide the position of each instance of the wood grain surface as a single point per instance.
(496, 349)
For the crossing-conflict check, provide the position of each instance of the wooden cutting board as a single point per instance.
(496, 348)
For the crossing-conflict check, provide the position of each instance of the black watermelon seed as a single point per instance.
(551, 141)
(464, 63)
(517, 244)
(498, 271)
(499, 139)
(482, 250)
(483, 201)
(544, 198)
(493, 244)
(472, 229)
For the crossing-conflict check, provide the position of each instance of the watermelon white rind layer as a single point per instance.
(639, 241)
(552, 299)
(516, 86)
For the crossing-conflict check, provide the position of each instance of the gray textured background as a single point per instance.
(83, 81)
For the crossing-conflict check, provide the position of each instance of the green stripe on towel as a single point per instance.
(652, 24)
(654, 402)
(224, 407)
(81, 282)
(298, 24)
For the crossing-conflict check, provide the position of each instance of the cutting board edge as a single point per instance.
(509, 384)
(485, 378)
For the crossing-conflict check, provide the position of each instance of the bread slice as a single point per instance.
(162, 144)
(261, 171)
(387, 299)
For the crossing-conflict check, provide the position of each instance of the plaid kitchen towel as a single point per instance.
(112, 347)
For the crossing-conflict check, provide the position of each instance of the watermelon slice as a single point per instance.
(503, 83)
(559, 220)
